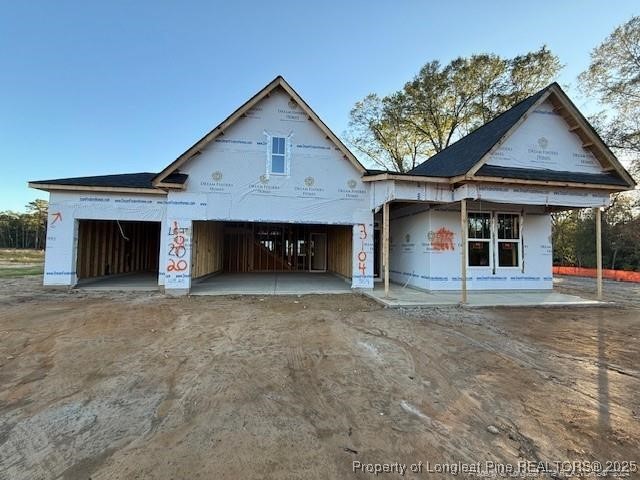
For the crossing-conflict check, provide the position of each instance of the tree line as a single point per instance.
(574, 233)
(443, 103)
(24, 229)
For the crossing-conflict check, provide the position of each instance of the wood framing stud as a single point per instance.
(598, 217)
(463, 251)
(385, 247)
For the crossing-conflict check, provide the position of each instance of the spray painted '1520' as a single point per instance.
(177, 249)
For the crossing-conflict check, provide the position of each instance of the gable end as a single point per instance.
(278, 82)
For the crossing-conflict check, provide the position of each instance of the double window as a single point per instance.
(499, 233)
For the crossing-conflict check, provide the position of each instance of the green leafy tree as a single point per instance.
(530, 73)
(573, 236)
(613, 78)
(621, 234)
(378, 128)
(564, 226)
(442, 103)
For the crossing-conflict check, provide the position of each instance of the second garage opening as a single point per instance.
(252, 249)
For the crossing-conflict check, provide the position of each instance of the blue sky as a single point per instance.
(90, 88)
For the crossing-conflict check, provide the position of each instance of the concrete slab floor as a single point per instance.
(283, 283)
(138, 281)
(400, 296)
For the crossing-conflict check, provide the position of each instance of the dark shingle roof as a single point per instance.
(125, 180)
(459, 157)
(551, 175)
(377, 171)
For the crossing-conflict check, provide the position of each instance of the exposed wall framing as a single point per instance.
(339, 250)
(104, 250)
(238, 248)
(208, 248)
(263, 247)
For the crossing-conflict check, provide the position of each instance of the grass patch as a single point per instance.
(13, 272)
(18, 255)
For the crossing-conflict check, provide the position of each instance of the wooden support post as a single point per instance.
(463, 250)
(385, 246)
(598, 215)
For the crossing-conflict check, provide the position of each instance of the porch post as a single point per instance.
(385, 246)
(598, 215)
(463, 250)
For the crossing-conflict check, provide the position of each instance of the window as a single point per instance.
(278, 155)
(479, 239)
(491, 236)
(508, 240)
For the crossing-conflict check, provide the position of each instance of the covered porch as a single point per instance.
(495, 250)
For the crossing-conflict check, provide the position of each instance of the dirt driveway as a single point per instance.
(130, 386)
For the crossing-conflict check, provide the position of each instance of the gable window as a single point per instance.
(278, 162)
(508, 241)
(479, 240)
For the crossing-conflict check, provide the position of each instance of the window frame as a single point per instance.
(286, 155)
(283, 155)
(499, 240)
(494, 240)
(475, 239)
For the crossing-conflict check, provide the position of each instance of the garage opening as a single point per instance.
(111, 248)
(245, 253)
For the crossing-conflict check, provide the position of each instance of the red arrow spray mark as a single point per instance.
(57, 217)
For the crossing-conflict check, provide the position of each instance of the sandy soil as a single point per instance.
(623, 293)
(126, 386)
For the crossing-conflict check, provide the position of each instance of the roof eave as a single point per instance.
(548, 183)
(48, 187)
(491, 179)
(404, 177)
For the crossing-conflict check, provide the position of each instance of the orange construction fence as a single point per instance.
(619, 275)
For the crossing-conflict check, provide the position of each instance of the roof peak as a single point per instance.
(240, 111)
(469, 153)
(494, 120)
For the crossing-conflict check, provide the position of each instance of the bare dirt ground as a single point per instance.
(136, 386)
